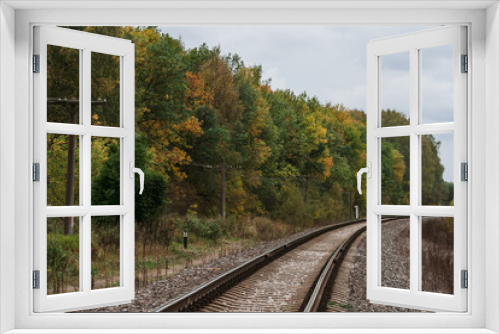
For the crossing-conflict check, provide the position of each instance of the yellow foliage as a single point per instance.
(192, 125)
(398, 165)
(198, 93)
(328, 164)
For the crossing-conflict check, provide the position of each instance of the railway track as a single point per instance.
(337, 294)
(293, 277)
(331, 291)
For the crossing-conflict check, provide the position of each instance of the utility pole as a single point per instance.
(223, 167)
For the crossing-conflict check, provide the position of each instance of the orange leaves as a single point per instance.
(327, 164)
(167, 143)
(170, 160)
(198, 93)
(192, 126)
(176, 156)
(266, 88)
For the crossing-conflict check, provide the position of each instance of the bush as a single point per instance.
(213, 230)
(62, 262)
(292, 208)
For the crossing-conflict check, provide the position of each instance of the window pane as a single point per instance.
(105, 252)
(105, 171)
(63, 252)
(395, 253)
(437, 84)
(105, 89)
(437, 169)
(63, 85)
(63, 170)
(437, 254)
(395, 89)
(395, 171)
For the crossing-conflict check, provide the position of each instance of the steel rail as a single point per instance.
(207, 292)
(318, 290)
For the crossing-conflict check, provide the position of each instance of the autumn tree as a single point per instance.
(216, 134)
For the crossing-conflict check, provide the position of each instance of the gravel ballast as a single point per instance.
(156, 294)
(395, 267)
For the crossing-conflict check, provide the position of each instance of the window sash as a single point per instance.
(86, 43)
(413, 298)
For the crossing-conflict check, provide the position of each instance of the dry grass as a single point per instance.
(437, 255)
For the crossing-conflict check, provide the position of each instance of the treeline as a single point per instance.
(215, 139)
(224, 154)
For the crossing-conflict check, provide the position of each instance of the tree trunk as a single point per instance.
(306, 195)
(223, 190)
(70, 173)
(350, 203)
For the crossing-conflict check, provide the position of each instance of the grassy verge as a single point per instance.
(159, 247)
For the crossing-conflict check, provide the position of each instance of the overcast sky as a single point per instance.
(330, 63)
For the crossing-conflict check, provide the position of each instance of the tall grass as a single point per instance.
(159, 248)
(437, 255)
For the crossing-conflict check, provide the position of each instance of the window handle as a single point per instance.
(141, 176)
(368, 171)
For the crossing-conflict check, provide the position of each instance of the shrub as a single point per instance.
(292, 208)
(62, 261)
(212, 230)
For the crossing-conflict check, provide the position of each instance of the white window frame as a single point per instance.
(413, 44)
(483, 20)
(85, 43)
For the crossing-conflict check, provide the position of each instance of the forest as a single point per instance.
(227, 158)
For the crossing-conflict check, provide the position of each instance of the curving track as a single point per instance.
(336, 296)
(290, 278)
(284, 284)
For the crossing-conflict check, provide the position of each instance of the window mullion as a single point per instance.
(434, 129)
(86, 178)
(82, 221)
(414, 169)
